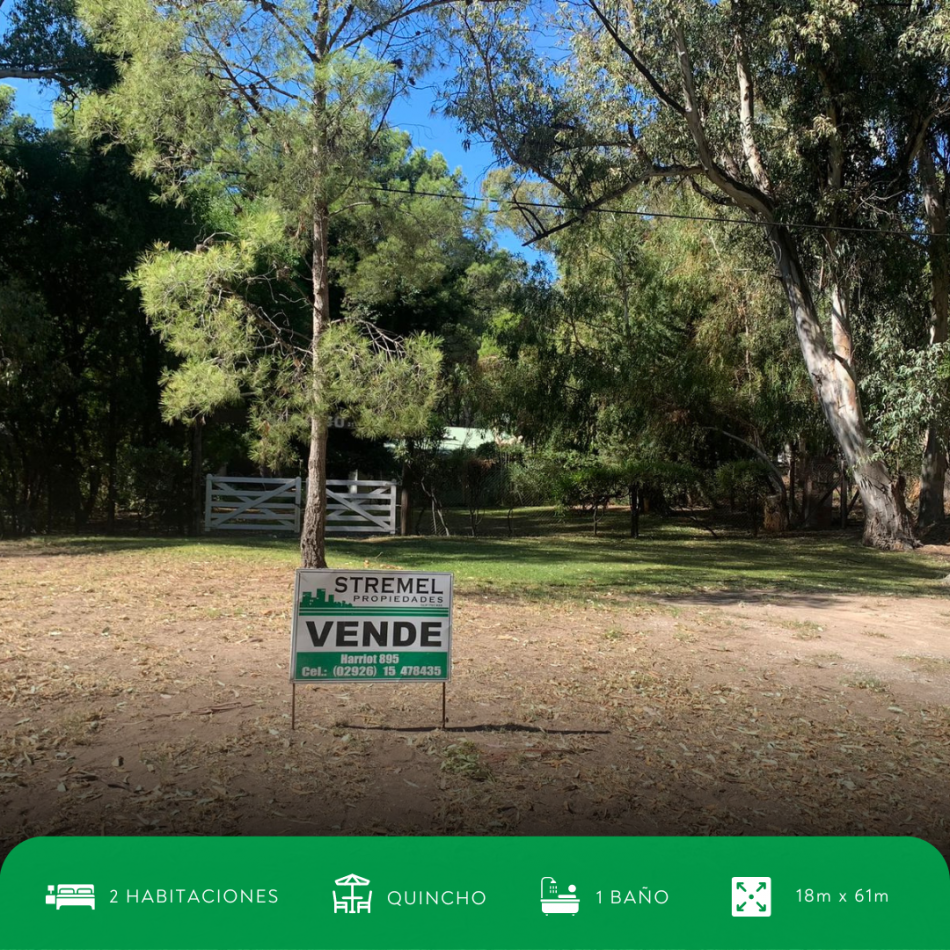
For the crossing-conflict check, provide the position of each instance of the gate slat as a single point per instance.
(343, 502)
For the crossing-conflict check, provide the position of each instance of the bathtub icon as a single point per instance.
(554, 903)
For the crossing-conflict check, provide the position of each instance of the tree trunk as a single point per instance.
(887, 521)
(635, 510)
(792, 504)
(95, 486)
(196, 509)
(112, 449)
(933, 477)
(843, 493)
(313, 534)
(405, 501)
(933, 470)
(405, 495)
(884, 507)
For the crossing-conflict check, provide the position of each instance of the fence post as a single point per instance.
(392, 508)
(297, 486)
(208, 479)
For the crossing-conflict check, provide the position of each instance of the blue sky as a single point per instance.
(33, 99)
(416, 114)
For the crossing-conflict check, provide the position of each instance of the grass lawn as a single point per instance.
(561, 556)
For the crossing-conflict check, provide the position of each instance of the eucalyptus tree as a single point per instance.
(916, 111)
(927, 45)
(933, 164)
(271, 107)
(778, 110)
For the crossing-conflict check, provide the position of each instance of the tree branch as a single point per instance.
(342, 25)
(503, 140)
(411, 9)
(638, 63)
(274, 10)
(775, 476)
(753, 156)
(226, 67)
(716, 199)
(745, 196)
(12, 71)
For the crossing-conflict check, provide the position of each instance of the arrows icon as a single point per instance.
(747, 892)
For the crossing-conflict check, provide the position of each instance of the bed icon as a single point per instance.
(71, 895)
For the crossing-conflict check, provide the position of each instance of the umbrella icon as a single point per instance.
(351, 903)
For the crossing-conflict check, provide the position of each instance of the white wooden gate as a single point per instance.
(275, 504)
(361, 507)
(252, 504)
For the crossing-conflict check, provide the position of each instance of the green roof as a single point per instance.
(462, 437)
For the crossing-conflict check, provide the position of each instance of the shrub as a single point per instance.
(745, 485)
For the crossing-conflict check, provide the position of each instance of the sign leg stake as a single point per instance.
(293, 706)
(443, 706)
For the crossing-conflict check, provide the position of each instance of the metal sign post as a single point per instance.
(370, 627)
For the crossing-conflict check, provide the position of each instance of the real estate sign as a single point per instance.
(363, 626)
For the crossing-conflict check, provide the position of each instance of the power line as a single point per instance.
(554, 206)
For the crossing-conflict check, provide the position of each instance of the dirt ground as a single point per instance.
(145, 693)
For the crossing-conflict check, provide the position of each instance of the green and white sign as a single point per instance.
(371, 626)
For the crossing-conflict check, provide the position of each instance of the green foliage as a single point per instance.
(745, 482)
(664, 478)
(573, 480)
(589, 486)
(217, 91)
(906, 386)
(529, 479)
(202, 305)
(655, 335)
(78, 371)
(540, 477)
(387, 389)
(267, 118)
(153, 484)
(414, 258)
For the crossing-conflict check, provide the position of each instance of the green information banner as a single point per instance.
(468, 893)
